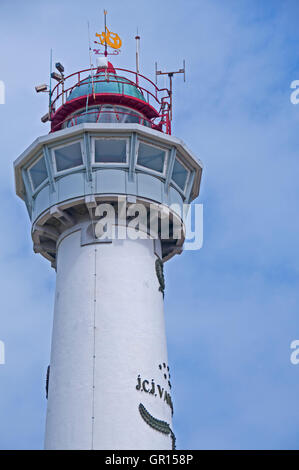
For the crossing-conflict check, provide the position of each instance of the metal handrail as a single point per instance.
(157, 95)
(75, 117)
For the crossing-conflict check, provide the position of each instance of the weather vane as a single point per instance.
(108, 39)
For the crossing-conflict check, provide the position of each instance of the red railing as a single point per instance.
(73, 119)
(154, 96)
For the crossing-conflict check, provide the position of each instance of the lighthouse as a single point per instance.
(105, 191)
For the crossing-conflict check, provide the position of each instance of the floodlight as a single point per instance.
(56, 76)
(40, 88)
(59, 67)
(45, 118)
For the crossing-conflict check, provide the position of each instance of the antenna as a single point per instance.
(105, 14)
(50, 86)
(137, 37)
(170, 75)
(90, 61)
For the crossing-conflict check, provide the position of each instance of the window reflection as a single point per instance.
(68, 157)
(179, 174)
(106, 114)
(110, 151)
(38, 172)
(151, 157)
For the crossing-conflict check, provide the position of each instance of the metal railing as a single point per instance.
(158, 98)
(78, 118)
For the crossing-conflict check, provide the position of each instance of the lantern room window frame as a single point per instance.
(44, 182)
(143, 168)
(110, 164)
(99, 110)
(176, 186)
(73, 168)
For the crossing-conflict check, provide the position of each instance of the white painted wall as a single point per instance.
(108, 328)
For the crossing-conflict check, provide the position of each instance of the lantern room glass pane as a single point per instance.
(127, 115)
(151, 157)
(179, 174)
(107, 115)
(38, 173)
(110, 151)
(68, 157)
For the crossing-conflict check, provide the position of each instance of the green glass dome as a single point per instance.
(111, 83)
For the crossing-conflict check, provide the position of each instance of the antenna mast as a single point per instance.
(137, 37)
(105, 14)
(90, 60)
(170, 75)
(50, 86)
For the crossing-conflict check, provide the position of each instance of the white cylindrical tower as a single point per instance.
(107, 348)
(108, 382)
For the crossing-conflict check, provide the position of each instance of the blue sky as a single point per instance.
(232, 307)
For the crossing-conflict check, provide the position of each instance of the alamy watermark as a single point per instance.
(139, 221)
(294, 358)
(2, 353)
(294, 97)
(2, 92)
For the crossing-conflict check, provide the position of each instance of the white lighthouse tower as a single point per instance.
(109, 153)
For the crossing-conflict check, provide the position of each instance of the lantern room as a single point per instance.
(110, 137)
(108, 95)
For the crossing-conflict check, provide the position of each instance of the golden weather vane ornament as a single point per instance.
(108, 39)
(111, 39)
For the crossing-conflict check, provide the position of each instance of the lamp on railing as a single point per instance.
(59, 77)
(41, 88)
(59, 67)
(45, 118)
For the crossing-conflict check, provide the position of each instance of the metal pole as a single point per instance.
(50, 87)
(105, 13)
(137, 56)
(170, 93)
(62, 87)
(90, 57)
